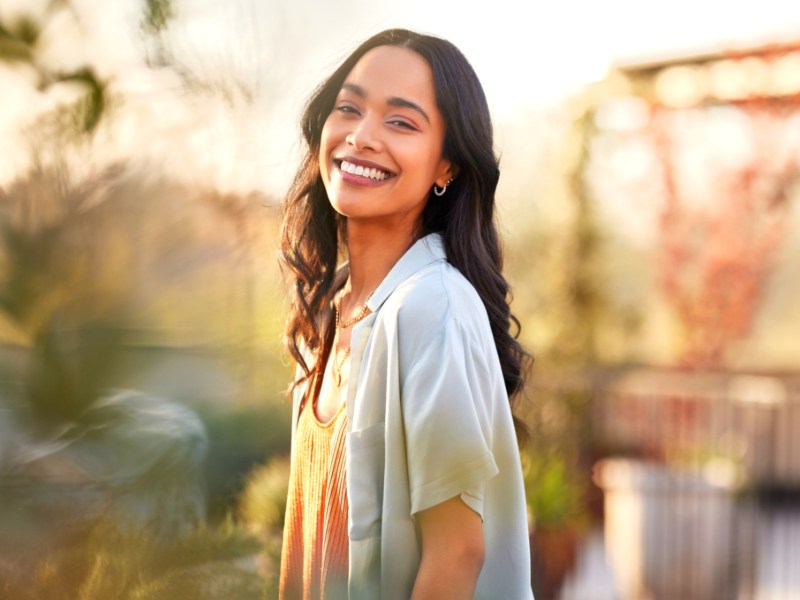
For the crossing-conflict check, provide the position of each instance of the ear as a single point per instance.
(447, 172)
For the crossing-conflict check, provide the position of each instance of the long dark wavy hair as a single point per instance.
(312, 229)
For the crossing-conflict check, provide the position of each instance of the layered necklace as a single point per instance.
(338, 365)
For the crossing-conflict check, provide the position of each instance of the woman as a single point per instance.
(406, 480)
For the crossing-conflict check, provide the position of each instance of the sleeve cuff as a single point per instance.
(469, 476)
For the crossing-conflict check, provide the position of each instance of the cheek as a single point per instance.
(427, 166)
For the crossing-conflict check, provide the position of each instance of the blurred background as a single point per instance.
(649, 201)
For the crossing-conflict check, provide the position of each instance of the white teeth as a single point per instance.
(360, 171)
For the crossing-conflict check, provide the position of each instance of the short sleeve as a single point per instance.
(447, 414)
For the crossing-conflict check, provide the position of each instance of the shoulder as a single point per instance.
(435, 300)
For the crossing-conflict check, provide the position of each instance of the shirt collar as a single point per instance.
(422, 253)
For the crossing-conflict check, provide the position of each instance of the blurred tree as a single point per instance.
(60, 298)
(157, 14)
(583, 300)
(561, 297)
(703, 151)
(92, 270)
(716, 256)
(20, 36)
(89, 270)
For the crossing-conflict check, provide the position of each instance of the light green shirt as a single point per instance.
(428, 420)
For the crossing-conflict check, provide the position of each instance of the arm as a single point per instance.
(452, 551)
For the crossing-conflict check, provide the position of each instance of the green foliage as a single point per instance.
(102, 561)
(261, 510)
(16, 41)
(88, 266)
(60, 292)
(87, 111)
(157, 14)
(239, 441)
(555, 490)
(70, 370)
(263, 502)
(556, 481)
(19, 43)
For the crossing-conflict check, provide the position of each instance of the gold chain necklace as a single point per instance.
(337, 368)
(352, 321)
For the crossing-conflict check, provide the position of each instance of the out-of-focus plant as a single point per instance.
(86, 263)
(561, 298)
(714, 164)
(558, 251)
(20, 42)
(92, 270)
(104, 561)
(716, 258)
(261, 510)
(63, 292)
(88, 270)
(556, 490)
(239, 440)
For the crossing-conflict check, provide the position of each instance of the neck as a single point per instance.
(372, 254)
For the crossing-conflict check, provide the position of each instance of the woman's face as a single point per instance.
(381, 146)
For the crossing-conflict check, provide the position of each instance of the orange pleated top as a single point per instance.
(314, 558)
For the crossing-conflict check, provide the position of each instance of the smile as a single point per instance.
(361, 171)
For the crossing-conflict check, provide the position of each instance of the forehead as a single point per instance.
(392, 71)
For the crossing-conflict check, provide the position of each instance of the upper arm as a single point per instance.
(450, 525)
(448, 406)
(452, 551)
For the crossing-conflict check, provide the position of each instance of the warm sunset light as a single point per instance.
(648, 209)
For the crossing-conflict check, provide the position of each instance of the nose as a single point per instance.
(365, 135)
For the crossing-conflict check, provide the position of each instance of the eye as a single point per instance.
(402, 124)
(347, 109)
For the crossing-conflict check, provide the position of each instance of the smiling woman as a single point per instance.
(405, 477)
(385, 120)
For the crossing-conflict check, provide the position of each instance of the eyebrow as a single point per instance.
(392, 101)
